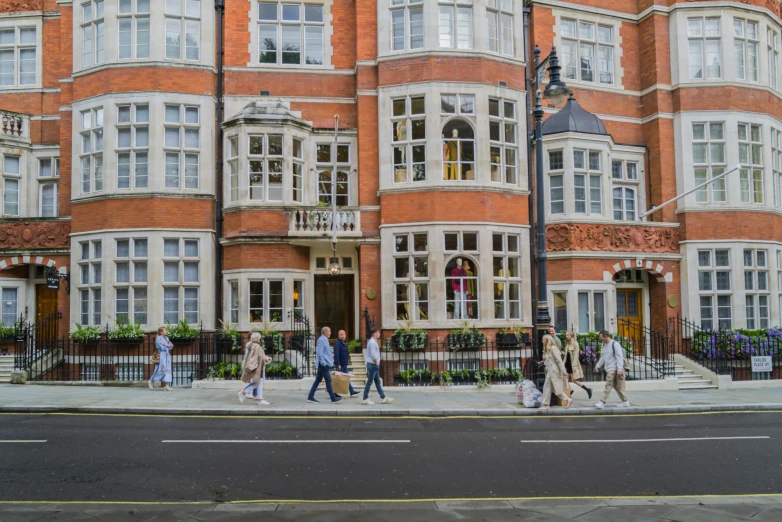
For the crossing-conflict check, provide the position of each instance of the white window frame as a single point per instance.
(593, 182)
(416, 294)
(266, 315)
(299, 168)
(182, 286)
(233, 301)
(556, 170)
(593, 298)
(708, 267)
(9, 318)
(702, 41)
(579, 45)
(714, 192)
(500, 16)
(188, 166)
(507, 306)
(136, 151)
(772, 48)
(187, 15)
(746, 49)
(16, 50)
(260, 181)
(343, 169)
(751, 181)
(93, 48)
(305, 26)
(625, 179)
(90, 282)
(503, 141)
(91, 161)
(455, 20)
(411, 33)
(232, 164)
(776, 165)
(55, 207)
(12, 202)
(757, 275)
(135, 15)
(137, 256)
(408, 153)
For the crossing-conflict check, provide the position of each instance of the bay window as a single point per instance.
(588, 192)
(91, 154)
(183, 18)
(708, 157)
(181, 280)
(745, 49)
(92, 33)
(456, 24)
(333, 159)
(290, 34)
(266, 301)
(18, 56)
(506, 275)
(500, 17)
(704, 50)
(587, 51)
(502, 137)
(714, 288)
(409, 138)
(90, 280)
(624, 176)
(181, 145)
(411, 276)
(751, 160)
(132, 146)
(265, 163)
(133, 29)
(407, 24)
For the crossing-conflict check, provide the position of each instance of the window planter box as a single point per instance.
(91, 342)
(134, 341)
(280, 377)
(273, 343)
(403, 341)
(182, 340)
(468, 341)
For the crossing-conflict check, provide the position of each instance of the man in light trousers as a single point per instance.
(324, 360)
(612, 358)
(372, 358)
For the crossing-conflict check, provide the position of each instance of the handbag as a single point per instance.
(155, 358)
(626, 366)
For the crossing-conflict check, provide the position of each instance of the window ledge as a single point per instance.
(136, 194)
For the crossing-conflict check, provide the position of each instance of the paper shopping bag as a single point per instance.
(340, 383)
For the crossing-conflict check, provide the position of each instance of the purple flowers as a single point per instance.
(736, 345)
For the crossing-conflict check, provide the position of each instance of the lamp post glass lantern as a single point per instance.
(555, 91)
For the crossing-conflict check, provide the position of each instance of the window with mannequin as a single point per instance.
(411, 276)
(458, 138)
(461, 276)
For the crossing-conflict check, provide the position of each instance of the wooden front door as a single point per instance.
(45, 305)
(334, 304)
(629, 315)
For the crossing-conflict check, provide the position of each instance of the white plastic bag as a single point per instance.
(528, 394)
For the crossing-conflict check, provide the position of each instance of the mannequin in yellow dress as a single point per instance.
(450, 154)
(470, 287)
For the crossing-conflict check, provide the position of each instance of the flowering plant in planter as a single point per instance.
(271, 340)
(736, 345)
(228, 332)
(182, 331)
(408, 338)
(85, 334)
(7, 332)
(126, 331)
(466, 338)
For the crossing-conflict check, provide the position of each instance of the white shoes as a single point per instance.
(600, 405)
(386, 400)
(625, 404)
(367, 402)
(151, 385)
(241, 397)
(263, 402)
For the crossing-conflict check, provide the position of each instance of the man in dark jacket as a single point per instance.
(342, 358)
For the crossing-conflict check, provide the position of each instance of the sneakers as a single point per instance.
(386, 400)
(625, 404)
(241, 397)
(367, 402)
(263, 402)
(312, 399)
(151, 385)
(354, 395)
(600, 405)
(337, 400)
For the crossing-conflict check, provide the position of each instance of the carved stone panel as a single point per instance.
(611, 238)
(11, 6)
(35, 234)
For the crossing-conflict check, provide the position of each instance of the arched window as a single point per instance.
(461, 288)
(458, 151)
(624, 203)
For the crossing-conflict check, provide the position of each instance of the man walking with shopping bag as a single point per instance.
(612, 358)
(342, 359)
(324, 361)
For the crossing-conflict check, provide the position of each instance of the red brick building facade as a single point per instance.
(111, 150)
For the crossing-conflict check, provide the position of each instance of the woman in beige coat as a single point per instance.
(253, 368)
(555, 374)
(572, 363)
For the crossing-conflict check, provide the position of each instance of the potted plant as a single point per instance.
(281, 370)
(182, 332)
(408, 338)
(126, 333)
(355, 346)
(229, 336)
(506, 338)
(466, 338)
(217, 371)
(85, 334)
(7, 333)
(236, 371)
(271, 340)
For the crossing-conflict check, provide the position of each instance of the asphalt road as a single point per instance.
(124, 459)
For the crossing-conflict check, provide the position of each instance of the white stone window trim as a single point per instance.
(91, 158)
(413, 298)
(54, 187)
(407, 9)
(8, 318)
(593, 298)
(254, 49)
(12, 199)
(743, 42)
(756, 270)
(344, 167)
(460, 31)
(712, 268)
(261, 180)
(16, 48)
(504, 281)
(752, 170)
(716, 193)
(138, 170)
(615, 46)
(267, 315)
(772, 50)
(232, 167)
(93, 30)
(405, 149)
(506, 146)
(182, 286)
(290, 278)
(131, 285)
(629, 180)
(776, 165)
(135, 16)
(501, 11)
(90, 280)
(588, 174)
(704, 39)
(183, 151)
(187, 20)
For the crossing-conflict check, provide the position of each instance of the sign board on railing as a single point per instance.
(761, 363)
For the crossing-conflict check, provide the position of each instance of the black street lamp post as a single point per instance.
(556, 90)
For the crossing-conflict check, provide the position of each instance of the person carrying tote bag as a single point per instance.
(555, 374)
(253, 367)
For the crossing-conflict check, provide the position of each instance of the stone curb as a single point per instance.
(385, 412)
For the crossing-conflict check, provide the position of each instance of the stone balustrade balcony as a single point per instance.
(320, 221)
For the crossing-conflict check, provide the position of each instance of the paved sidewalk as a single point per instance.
(434, 403)
(673, 509)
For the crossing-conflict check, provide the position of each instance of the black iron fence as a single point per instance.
(729, 352)
(206, 356)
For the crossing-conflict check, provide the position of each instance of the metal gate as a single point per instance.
(37, 349)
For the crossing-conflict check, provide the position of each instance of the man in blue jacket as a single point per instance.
(342, 358)
(324, 361)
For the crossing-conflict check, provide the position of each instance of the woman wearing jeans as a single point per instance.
(253, 367)
(372, 358)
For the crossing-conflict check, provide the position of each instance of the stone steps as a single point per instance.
(689, 380)
(6, 368)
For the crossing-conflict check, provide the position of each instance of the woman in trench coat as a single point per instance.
(253, 368)
(572, 364)
(555, 374)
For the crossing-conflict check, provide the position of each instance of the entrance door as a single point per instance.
(629, 315)
(45, 306)
(334, 304)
